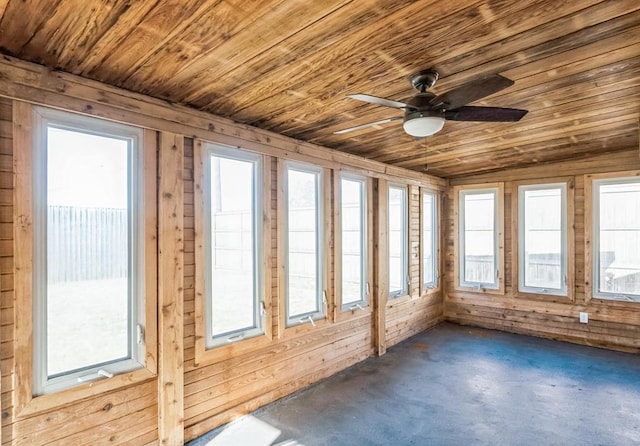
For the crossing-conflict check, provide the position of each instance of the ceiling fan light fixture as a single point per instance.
(423, 126)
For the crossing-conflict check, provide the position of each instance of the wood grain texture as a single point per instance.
(23, 253)
(612, 324)
(170, 289)
(287, 66)
(381, 265)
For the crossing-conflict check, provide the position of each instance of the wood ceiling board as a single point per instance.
(561, 146)
(359, 45)
(286, 66)
(363, 56)
(561, 33)
(267, 31)
(531, 54)
(441, 46)
(162, 24)
(73, 28)
(199, 40)
(111, 40)
(583, 149)
(299, 53)
(20, 20)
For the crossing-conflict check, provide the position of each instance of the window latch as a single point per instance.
(356, 307)
(235, 338)
(308, 319)
(324, 298)
(368, 290)
(140, 334)
(263, 309)
(94, 376)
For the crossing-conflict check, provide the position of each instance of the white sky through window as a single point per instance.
(96, 162)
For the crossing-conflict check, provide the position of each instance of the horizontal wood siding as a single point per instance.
(611, 324)
(6, 266)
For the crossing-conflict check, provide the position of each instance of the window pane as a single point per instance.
(619, 238)
(88, 250)
(302, 254)
(397, 240)
(479, 238)
(232, 245)
(543, 238)
(352, 210)
(428, 248)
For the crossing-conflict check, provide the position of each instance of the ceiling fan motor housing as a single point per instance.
(420, 106)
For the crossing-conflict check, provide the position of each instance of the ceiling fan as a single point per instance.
(425, 113)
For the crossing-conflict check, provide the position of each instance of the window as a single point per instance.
(304, 275)
(88, 295)
(398, 241)
(616, 236)
(542, 239)
(429, 240)
(353, 242)
(233, 240)
(478, 238)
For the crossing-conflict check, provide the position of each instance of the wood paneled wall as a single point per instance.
(405, 316)
(611, 324)
(214, 392)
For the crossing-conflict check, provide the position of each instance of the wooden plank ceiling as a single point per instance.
(286, 66)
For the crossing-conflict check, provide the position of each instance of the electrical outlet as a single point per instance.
(584, 317)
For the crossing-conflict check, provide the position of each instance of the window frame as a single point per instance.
(592, 183)
(434, 285)
(404, 255)
(30, 396)
(522, 288)
(309, 319)
(204, 353)
(259, 305)
(459, 191)
(44, 120)
(365, 193)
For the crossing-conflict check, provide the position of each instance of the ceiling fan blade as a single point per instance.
(486, 114)
(379, 101)
(364, 126)
(471, 91)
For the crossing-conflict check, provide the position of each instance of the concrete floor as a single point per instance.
(458, 385)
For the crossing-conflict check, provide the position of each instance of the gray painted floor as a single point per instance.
(458, 385)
